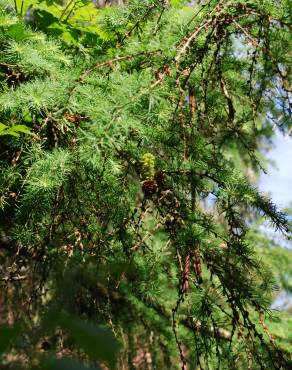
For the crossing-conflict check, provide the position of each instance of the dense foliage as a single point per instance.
(127, 185)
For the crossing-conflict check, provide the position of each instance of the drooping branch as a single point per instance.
(193, 325)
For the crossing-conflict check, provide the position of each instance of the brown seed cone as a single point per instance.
(149, 187)
(159, 177)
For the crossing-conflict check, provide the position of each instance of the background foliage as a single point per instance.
(130, 148)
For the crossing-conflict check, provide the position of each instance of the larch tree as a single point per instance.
(128, 154)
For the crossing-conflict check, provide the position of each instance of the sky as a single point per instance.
(278, 181)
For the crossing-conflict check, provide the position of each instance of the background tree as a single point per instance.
(129, 204)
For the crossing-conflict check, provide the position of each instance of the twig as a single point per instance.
(231, 109)
(190, 39)
(14, 278)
